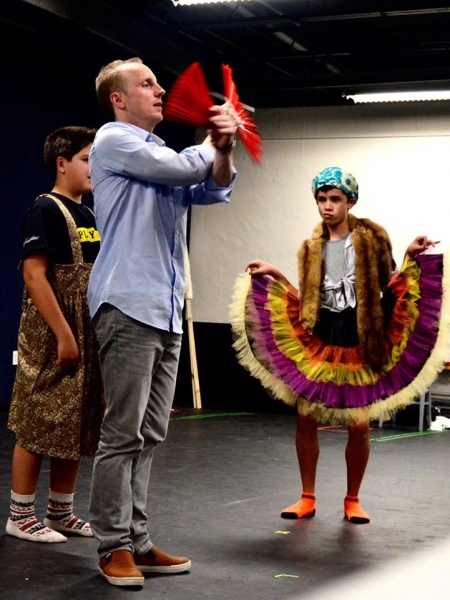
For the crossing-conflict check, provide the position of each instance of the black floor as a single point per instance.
(219, 483)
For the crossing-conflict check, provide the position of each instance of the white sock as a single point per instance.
(22, 522)
(60, 515)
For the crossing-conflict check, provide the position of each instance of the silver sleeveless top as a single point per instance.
(338, 285)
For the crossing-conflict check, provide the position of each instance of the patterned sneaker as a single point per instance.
(157, 561)
(118, 568)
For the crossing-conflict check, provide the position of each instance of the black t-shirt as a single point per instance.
(45, 230)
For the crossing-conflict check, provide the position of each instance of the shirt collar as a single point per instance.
(142, 133)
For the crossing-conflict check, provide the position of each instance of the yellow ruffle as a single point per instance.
(380, 409)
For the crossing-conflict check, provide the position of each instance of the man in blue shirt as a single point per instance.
(142, 191)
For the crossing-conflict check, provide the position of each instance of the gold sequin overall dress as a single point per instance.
(54, 411)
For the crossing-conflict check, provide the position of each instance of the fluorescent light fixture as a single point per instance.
(399, 96)
(191, 2)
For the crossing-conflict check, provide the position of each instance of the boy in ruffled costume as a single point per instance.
(344, 354)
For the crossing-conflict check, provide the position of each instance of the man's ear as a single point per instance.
(351, 203)
(117, 100)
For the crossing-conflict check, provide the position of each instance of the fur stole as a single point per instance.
(374, 264)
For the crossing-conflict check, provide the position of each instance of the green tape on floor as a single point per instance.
(211, 416)
(402, 436)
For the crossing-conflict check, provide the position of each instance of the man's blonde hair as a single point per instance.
(110, 80)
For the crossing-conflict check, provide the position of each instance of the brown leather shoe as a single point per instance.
(157, 561)
(119, 568)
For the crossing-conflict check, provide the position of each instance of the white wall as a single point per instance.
(399, 154)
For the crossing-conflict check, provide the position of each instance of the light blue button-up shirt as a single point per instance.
(142, 191)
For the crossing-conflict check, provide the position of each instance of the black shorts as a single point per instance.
(337, 328)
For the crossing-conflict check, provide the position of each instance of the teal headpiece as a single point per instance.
(338, 178)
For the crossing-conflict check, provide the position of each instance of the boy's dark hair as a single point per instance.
(65, 142)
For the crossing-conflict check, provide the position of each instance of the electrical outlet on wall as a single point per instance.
(15, 357)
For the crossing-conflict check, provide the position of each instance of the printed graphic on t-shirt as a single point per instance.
(33, 238)
(88, 234)
(45, 230)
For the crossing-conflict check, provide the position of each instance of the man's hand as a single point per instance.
(224, 124)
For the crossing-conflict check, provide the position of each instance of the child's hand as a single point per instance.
(420, 244)
(68, 352)
(260, 267)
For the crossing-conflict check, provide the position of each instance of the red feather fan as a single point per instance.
(247, 131)
(189, 101)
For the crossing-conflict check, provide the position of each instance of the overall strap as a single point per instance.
(73, 232)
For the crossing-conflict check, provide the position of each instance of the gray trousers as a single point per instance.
(139, 366)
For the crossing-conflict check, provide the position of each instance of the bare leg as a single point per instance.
(307, 445)
(25, 471)
(26, 466)
(63, 475)
(356, 456)
(22, 522)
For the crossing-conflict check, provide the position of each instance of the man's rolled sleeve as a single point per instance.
(132, 152)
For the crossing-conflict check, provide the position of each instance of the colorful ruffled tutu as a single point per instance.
(333, 384)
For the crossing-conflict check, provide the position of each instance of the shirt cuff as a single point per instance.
(208, 155)
(211, 185)
(206, 151)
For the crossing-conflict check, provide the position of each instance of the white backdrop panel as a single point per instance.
(399, 155)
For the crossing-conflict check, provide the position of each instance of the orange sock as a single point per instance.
(305, 507)
(353, 511)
